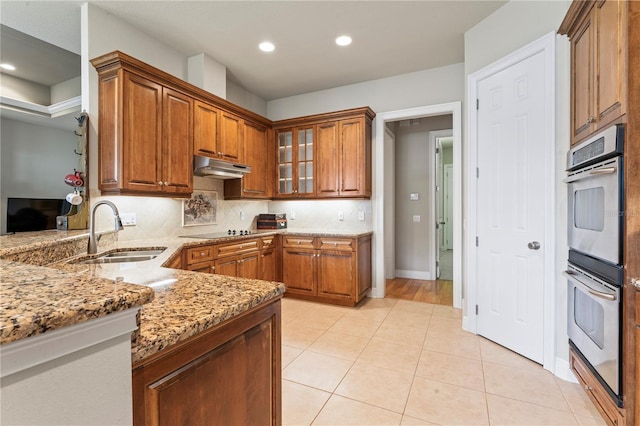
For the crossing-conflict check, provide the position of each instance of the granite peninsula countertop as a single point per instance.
(177, 304)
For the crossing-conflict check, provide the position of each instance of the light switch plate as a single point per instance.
(416, 218)
(340, 215)
(361, 216)
(415, 196)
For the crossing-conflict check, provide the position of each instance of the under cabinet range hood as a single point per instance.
(220, 169)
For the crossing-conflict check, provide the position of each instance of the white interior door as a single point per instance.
(510, 201)
(447, 216)
(438, 203)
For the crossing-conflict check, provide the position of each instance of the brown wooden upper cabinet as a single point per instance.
(145, 136)
(325, 155)
(206, 120)
(598, 34)
(295, 162)
(256, 151)
(151, 123)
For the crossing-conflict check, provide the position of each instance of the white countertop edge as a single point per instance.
(32, 351)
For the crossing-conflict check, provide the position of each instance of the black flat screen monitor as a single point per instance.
(34, 214)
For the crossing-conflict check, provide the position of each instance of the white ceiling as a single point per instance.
(389, 37)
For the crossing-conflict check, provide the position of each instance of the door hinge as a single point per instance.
(437, 150)
(476, 309)
(477, 172)
(477, 104)
(477, 242)
(437, 188)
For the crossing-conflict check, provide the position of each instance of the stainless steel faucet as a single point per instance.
(92, 248)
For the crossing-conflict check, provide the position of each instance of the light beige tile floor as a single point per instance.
(397, 362)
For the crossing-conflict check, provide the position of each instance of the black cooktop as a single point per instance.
(229, 233)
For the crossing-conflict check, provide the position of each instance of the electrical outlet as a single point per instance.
(361, 216)
(128, 219)
(292, 215)
(340, 215)
(242, 215)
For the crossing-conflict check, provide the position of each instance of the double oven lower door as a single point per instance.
(594, 325)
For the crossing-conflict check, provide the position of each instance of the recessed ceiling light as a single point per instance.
(266, 46)
(343, 40)
(7, 67)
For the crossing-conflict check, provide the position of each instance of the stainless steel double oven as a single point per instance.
(594, 272)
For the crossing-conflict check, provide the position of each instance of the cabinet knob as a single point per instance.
(591, 120)
(160, 183)
(635, 282)
(335, 244)
(262, 256)
(220, 153)
(588, 388)
(299, 242)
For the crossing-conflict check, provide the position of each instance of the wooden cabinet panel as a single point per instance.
(352, 157)
(205, 129)
(582, 81)
(199, 254)
(336, 274)
(268, 265)
(328, 160)
(231, 127)
(142, 131)
(235, 248)
(595, 391)
(177, 153)
(227, 266)
(256, 152)
(343, 244)
(610, 62)
(327, 269)
(205, 267)
(248, 267)
(227, 375)
(598, 34)
(298, 242)
(298, 271)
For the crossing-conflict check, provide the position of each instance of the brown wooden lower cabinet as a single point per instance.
(605, 405)
(227, 375)
(327, 269)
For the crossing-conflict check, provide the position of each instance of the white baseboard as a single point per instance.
(414, 275)
(563, 371)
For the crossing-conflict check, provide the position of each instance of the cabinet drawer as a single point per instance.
(199, 254)
(236, 248)
(594, 391)
(299, 242)
(342, 244)
(268, 242)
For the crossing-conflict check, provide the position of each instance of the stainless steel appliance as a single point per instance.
(594, 325)
(220, 169)
(595, 171)
(594, 274)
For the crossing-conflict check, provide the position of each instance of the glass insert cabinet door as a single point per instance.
(295, 161)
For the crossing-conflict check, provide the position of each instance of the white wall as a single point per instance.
(524, 22)
(17, 88)
(415, 161)
(242, 97)
(427, 87)
(66, 90)
(35, 160)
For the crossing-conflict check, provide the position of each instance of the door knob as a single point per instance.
(533, 245)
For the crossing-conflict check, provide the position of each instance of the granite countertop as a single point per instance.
(177, 304)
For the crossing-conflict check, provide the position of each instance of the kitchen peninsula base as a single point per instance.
(228, 375)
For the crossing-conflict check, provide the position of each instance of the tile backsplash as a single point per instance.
(161, 217)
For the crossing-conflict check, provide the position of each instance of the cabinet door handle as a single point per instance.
(635, 282)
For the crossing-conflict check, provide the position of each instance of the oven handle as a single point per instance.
(571, 276)
(591, 173)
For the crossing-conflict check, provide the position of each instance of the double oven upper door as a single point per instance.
(595, 210)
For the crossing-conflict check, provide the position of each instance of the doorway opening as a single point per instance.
(387, 218)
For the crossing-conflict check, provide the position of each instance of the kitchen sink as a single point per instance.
(121, 256)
